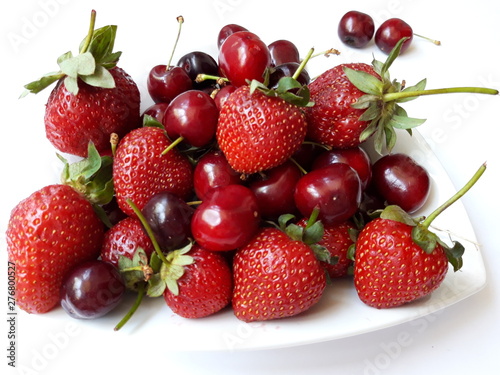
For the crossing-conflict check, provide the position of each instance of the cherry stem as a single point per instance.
(301, 168)
(172, 145)
(436, 42)
(90, 34)
(180, 19)
(459, 194)
(303, 64)
(327, 53)
(203, 77)
(389, 97)
(133, 309)
(149, 231)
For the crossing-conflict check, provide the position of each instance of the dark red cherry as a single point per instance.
(226, 31)
(156, 111)
(193, 116)
(211, 171)
(274, 190)
(391, 32)
(335, 190)
(288, 70)
(164, 83)
(356, 157)
(170, 220)
(356, 29)
(223, 94)
(243, 56)
(306, 154)
(283, 51)
(400, 180)
(226, 219)
(91, 289)
(198, 62)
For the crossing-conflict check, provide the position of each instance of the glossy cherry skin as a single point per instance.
(400, 180)
(165, 84)
(170, 220)
(274, 190)
(391, 32)
(227, 30)
(91, 290)
(192, 115)
(198, 62)
(283, 51)
(226, 219)
(356, 29)
(211, 171)
(288, 70)
(223, 94)
(157, 111)
(335, 190)
(243, 56)
(356, 157)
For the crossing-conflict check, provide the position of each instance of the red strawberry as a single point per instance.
(93, 98)
(49, 232)
(71, 121)
(205, 288)
(257, 132)
(391, 269)
(275, 277)
(337, 240)
(140, 169)
(332, 120)
(123, 239)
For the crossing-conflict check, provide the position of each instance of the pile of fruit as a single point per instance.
(245, 185)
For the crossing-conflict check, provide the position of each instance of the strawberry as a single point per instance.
(332, 120)
(123, 239)
(356, 101)
(276, 276)
(49, 232)
(399, 260)
(337, 240)
(205, 288)
(92, 99)
(141, 169)
(258, 131)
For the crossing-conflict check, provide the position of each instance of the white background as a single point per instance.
(461, 130)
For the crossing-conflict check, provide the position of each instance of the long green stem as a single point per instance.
(410, 94)
(90, 34)
(140, 296)
(303, 64)
(180, 19)
(459, 194)
(149, 231)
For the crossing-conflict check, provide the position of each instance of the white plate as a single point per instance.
(339, 314)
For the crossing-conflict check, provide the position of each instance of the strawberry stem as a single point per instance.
(90, 34)
(389, 97)
(459, 194)
(133, 309)
(149, 231)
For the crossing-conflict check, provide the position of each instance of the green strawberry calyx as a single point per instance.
(383, 96)
(91, 65)
(422, 236)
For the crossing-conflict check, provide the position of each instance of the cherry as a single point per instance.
(243, 56)
(222, 95)
(356, 29)
(211, 171)
(356, 157)
(197, 62)
(306, 154)
(274, 190)
(226, 219)
(392, 31)
(226, 31)
(157, 111)
(283, 51)
(288, 70)
(166, 82)
(170, 220)
(91, 290)
(335, 190)
(192, 116)
(400, 180)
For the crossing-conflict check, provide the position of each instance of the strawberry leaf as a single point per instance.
(365, 82)
(396, 213)
(404, 122)
(132, 269)
(83, 64)
(36, 86)
(419, 86)
(100, 78)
